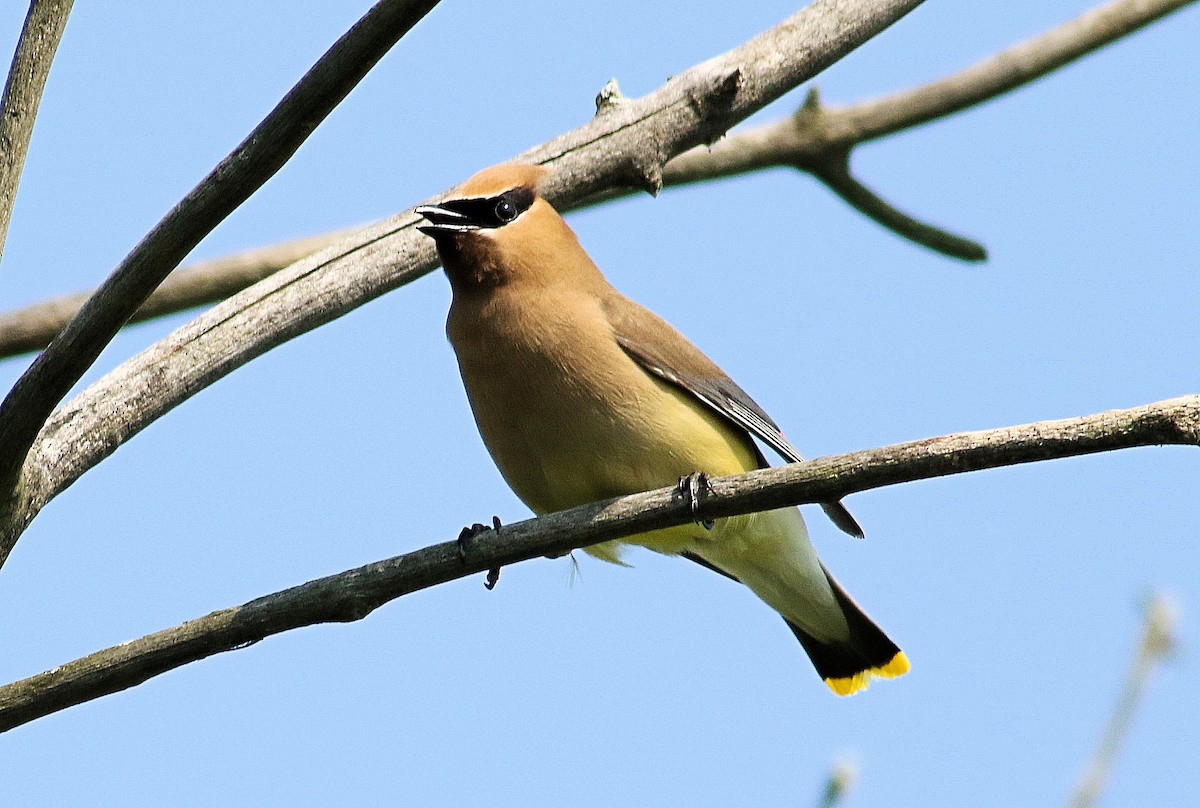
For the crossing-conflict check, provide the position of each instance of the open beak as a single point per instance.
(443, 220)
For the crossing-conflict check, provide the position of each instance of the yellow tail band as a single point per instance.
(849, 685)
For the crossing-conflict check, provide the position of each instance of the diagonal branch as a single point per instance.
(788, 142)
(818, 136)
(40, 35)
(354, 594)
(240, 174)
(1158, 640)
(772, 145)
(625, 144)
(833, 169)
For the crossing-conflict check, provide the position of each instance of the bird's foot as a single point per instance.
(691, 488)
(466, 540)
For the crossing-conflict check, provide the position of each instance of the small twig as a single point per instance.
(353, 594)
(835, 174)
(252, 163)
(1157, 643)
(772, 145)
(39, 40)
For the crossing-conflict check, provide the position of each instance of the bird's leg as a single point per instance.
(466, 539)
(691, 488)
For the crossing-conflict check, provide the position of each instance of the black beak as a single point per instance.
(444, 221)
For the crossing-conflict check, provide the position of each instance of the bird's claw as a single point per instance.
(691, 488)
(466, 540)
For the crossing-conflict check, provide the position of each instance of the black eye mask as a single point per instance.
(494, 211)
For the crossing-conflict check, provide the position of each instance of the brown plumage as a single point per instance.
(581, 394)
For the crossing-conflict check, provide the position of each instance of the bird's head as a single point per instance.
(495, 228)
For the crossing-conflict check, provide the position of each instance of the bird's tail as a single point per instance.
(771, 554)
(848, 664)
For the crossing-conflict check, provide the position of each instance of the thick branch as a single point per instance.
(252, 163)
(763, 147)
(624, 145)
(354, 594)
(39, 40)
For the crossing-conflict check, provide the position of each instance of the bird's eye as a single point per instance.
(506, 211)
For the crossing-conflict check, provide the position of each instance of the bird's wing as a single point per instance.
(661, 350)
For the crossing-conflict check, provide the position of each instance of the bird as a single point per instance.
(581, 394)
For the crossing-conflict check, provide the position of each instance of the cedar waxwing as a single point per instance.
(581, 394)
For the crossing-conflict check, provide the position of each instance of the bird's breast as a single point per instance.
(567, 415)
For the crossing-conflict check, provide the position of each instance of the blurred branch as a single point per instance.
(837, 785)
(256, 159)
(354, 594)
(806, 141)
(1157, 643)
(40, 35)
(626, 144)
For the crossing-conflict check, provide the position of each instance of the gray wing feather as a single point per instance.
(727, 399)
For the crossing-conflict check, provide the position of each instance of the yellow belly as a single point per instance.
(603, 427)
(570, 418)
(671, 435)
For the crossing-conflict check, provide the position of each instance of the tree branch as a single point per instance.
(354, 594)
(1157, 643)
(51, 376)
(31, 328)
(772, 145)
(834, 172)
(817, 137)
(40, 35)
(626, 144)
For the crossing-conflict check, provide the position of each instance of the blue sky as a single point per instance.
(1015, 592)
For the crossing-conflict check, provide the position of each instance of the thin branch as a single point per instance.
(40, 35)
(354, 594)
(1156, 645)
(838, 179)
(1004, 72)
(625, 144)
(820, 136)
(764, 147)
(240, 174)
(32, 328)
(833, 169)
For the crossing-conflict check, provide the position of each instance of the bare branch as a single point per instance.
(1003, 72)
(353, 594)
(241, 173)
(39, 40)
(32, 328)
(772, 145)
(624, 145)
(817, 137)
(1157, 642)
(833, 169)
